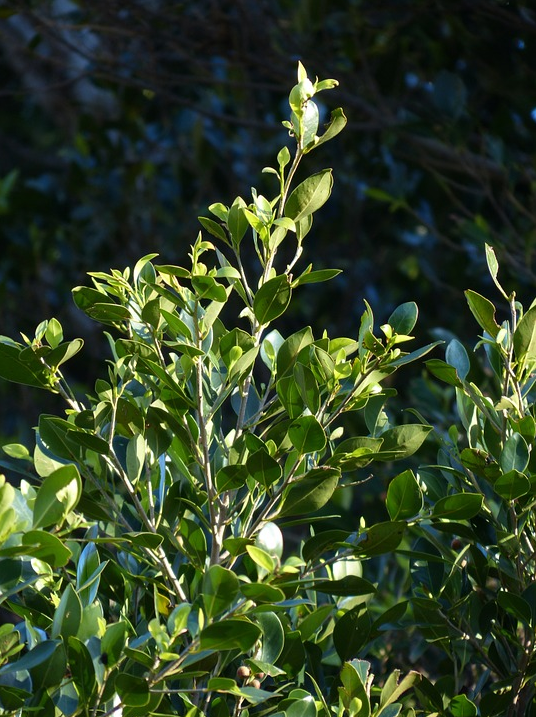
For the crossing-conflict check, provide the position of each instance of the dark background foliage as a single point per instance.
(122, 121)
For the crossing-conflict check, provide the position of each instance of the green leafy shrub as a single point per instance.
(472, 566)
(144, 551)
(149, 561)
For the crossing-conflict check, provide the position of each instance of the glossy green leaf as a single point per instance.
(311, 492)
(7, 512)
(222, 684)
(479, 462)
(235, 338)
(354, 453)
(219, 210)
(144, 270)
(236, 546)
(57, 496)
(237, 222)
(16, 450)
(390, 618)
(304, 707)
(220, 588)
(68, 614)
(169, 269)
(213, 228)
(292, 657)
(380, 538)
(84, 439)
(307, 435)
(459, 506)
(291, 347)
(348, 585)
(525, 337)
(113, 642)
(336, 124)
(262, 593)
(395, 688)
(352, 692)
(456, 356)
(192, 541)
(392, 710)
(82, 669)
(13, 698)
(283, 157)
(404, 318)
(515, 605)
(45, 546)
(273, 636)
(263, 559)
(17, 371)
(99, 306)
(35, 657)
(257, 224)
(444, 372)
(309, 123)
(176, 327)
(351, 632)
(54, 434)
(272, 299)
(261, 666)
(290, 396)
(315, 277)
(512, 485)
(133, 690)
(307, 386)
(63, 353)
(483, 311)
(135, 457)
(263, 468)
(177, 621)
(92, 621)
(206, 287)
(403, 441)
(253, 695)
(151, 313)
(309, 196)
(493, 267)
(322, 542)
(461, 706)
(231, 634)
(143, 539)
(414, 355)
(404, 497)
(231, 477)
(88, 572)
(515, 454)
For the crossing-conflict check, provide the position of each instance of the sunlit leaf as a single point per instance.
(309, 196)
(272, 299)
(220, 587)
(404, 497)
(229, 634)
(311, 492)
(57, 496)
(459, 506)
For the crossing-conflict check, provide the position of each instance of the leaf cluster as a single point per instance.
(166, 550)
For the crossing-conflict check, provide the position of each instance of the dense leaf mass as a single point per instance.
(207, 520)
(118, 120)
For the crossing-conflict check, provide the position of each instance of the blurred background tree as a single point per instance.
(119, 127)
